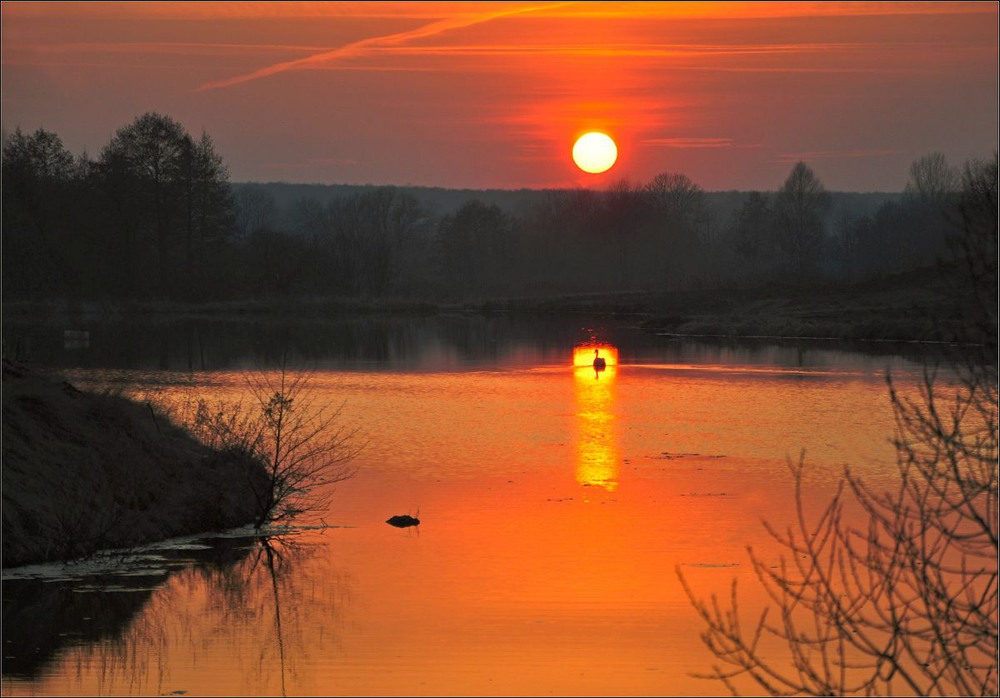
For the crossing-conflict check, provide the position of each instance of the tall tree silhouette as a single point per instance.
(474, 247)
(677, 204)
(167, 194)
(800, 207)
(37, 172)
(209, 217)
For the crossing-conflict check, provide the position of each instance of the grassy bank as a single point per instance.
(907, 308)
(84, 471)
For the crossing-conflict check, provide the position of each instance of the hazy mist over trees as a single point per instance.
(155, 217)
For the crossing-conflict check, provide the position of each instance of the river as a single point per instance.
(558, 506)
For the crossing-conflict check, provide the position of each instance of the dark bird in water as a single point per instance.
(403, 520)
(598, 361)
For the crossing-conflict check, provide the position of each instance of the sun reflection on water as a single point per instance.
(583, 354)
(597, 444)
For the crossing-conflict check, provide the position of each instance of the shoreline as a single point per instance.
(913, 307)
(89, 430)
(86, 471)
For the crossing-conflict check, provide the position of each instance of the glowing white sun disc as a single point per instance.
(595, 152)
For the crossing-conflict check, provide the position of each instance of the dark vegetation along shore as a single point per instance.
(922, 305)
(919, 306)
(85, 471)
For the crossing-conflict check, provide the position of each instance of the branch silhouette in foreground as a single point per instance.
(906, 600)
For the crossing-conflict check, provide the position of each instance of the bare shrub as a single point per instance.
(303, 448)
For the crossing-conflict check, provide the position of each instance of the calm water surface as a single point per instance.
(557, 506)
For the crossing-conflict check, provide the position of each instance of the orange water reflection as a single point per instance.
(597, 454)
(519, 581)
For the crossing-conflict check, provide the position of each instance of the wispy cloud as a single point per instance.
(172, 47)
(695, 143)
(772, 9)
(832, 155)
(618, 50)
(418, 10)
(325, 54)
(358, 47)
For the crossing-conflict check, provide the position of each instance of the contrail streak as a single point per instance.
(358, 47)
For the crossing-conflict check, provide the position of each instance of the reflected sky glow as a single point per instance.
(556, 504)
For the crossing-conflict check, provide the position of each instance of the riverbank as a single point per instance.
(86, 471)
(914, 309)
(917, 306)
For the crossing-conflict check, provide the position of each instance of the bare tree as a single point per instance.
(256, 210)
(753, 228)
(168, 203)
(302, 448)
(678, 205)
(676, 197)
(371, 233)
(474, 247)
(36, 173)
(907, 600)
(932, 179)
(622, 221)
(977, 251)
(800, 206)
(209, 217)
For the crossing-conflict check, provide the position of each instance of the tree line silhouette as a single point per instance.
(155, 216)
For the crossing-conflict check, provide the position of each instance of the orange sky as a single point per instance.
(484, 95)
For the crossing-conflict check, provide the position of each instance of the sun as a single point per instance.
(595, 152)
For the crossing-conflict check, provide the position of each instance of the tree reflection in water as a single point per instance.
(260, 599)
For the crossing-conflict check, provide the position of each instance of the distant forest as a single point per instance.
(155, 217)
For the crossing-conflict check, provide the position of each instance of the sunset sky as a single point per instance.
(493, 95)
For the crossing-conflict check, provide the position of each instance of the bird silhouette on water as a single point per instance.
(403, 521)
(599, 363)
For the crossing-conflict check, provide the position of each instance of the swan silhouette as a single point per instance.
(598, 361)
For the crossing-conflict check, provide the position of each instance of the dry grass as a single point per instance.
(84, 471)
